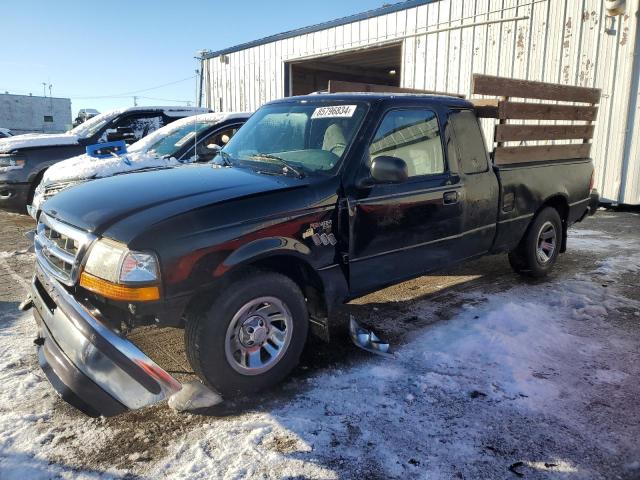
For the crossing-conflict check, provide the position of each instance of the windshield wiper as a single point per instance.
(286, 165)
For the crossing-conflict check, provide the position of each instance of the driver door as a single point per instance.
(399, 231)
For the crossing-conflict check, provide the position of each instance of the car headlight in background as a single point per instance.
(10, 162)
(115, 272)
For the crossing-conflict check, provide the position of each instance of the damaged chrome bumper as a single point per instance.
(91, 366)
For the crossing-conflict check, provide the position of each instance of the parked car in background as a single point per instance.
(192, 139)
(24, 158)
(5, 132)
(85, 114)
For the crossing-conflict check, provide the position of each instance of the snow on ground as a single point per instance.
(538, 377)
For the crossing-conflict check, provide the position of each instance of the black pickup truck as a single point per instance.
(316, 200)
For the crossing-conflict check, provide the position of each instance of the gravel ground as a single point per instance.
(495, 377)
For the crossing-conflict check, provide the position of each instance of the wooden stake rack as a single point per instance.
(504, 109)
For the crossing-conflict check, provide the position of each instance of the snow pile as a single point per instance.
(30, 140)
(31, 445)
(508, 380)
(84, 166)
(193, 396)
(456, 382)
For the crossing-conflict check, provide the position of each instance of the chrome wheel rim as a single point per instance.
(258, 335)
(547, 243)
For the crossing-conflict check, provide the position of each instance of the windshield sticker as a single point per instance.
(335, 111)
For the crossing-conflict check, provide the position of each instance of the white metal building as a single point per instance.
(27, 113)
(437, 45)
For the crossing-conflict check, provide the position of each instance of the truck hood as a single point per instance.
(84, 167)
(97, 205)
(34, 140)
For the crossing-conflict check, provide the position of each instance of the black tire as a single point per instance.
(206, 333)
(525, 259)
(34, 185)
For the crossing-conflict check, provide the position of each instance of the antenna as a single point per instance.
(44, 89)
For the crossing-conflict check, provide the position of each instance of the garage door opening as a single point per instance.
(373, 65)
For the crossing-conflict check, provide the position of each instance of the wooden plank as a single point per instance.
(511, 87)
(486, 108)
(516, 133)
(545, 111)
(339, 86)
(540, 153)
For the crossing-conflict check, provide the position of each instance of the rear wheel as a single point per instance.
(538, 251)
(252, 335)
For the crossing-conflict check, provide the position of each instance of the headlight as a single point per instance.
(11, 162)
(114, 271)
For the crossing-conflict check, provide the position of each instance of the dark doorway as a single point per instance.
(379, 65)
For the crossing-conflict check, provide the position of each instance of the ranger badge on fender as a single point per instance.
(320, 233)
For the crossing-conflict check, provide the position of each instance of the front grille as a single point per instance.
(60, 248)
(54, 189)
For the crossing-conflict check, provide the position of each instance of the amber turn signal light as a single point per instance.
(118, 292)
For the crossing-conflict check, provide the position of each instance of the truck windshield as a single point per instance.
(169, 144)
(311, 137)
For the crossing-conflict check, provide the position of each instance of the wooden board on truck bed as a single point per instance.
(540, 109)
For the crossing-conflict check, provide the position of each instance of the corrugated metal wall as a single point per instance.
(571, 42)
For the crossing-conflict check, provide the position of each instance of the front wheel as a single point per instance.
(538, 251)
(251, 336)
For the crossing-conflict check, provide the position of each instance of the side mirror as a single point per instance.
(206, 152)
(387, 169)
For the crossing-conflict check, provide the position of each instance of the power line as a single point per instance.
(117, 95)
(167, 99)
(125, 94)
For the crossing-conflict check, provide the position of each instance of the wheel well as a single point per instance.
(303, 275)
(297, 270)
(34, 184)
(562, 207)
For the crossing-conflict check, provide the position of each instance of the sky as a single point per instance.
(120, 48)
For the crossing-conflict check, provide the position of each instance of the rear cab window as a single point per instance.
(471, 149)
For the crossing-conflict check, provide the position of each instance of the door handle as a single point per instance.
(450, 198)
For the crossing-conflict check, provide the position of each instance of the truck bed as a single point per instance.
(524, 188)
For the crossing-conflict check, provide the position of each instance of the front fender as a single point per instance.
(262, 248)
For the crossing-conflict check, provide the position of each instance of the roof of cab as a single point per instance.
(371, 97)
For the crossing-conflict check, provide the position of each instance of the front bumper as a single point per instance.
(91, 366)
(14, 196)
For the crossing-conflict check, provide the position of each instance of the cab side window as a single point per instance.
(472, 153)
(413, 136)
